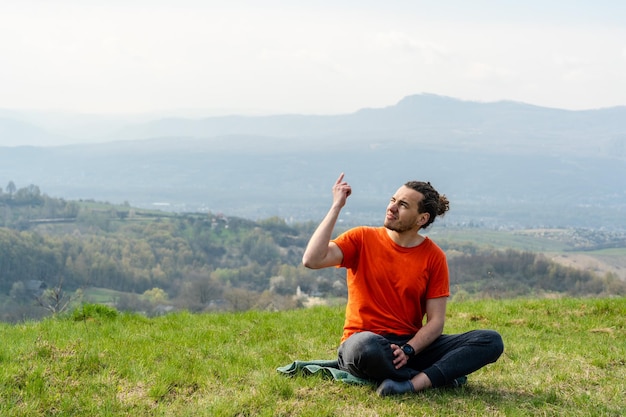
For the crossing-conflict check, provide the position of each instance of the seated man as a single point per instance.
(395, 276)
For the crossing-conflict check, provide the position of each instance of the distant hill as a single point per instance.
(502, 164)
(429, 120)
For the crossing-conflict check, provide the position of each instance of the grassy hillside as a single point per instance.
(562, 357)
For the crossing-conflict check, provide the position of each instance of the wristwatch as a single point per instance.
(408, 350)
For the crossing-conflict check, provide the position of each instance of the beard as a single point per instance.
(396, 226)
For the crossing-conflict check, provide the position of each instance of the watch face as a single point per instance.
(408, 350)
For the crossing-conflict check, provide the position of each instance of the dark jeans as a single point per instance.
(368, 355)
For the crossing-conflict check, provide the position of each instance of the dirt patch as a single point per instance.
(592, 263)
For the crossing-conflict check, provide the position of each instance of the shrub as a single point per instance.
(94, 311)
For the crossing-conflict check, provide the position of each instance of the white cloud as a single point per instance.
(484, 71)
(430, 52)
(325, 57)
(575, 75)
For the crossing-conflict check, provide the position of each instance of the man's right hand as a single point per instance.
(321, 252)
(341, 191)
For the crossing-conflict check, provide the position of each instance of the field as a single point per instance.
(562, 357)
(566, 246)
(601, 262)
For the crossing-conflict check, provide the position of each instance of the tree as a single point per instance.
(241, 299)
(156, 295)
(55, 299)
(11, 188)
(199, 290)
(19, 292)
(29, 195)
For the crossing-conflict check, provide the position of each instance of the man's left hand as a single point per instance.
(400, 359)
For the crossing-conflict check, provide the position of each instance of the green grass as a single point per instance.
(562, 357)
(101, 295)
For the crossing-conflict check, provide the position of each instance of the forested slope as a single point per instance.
(209, 261)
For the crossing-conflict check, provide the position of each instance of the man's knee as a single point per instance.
(361, 347)
(495, 343)
(366, 355)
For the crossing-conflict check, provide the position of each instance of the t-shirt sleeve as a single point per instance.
(349, 242)
(439, 283)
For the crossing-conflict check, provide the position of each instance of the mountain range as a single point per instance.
(502, 164)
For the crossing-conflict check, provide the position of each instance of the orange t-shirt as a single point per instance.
(388, 284)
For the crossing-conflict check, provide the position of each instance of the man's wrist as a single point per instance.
(408, 350)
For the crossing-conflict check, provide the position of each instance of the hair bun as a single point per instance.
(444, 205)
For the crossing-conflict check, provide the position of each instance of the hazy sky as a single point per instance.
(312, 57)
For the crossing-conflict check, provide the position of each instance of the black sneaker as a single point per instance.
(462, 380)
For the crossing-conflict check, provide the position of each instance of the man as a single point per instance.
(395, 277)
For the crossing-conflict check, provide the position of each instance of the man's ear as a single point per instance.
(423, 219)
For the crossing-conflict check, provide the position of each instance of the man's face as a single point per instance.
(403, 213)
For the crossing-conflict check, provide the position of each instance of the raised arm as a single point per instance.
(320, 251)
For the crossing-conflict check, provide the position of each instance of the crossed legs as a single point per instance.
(448, 358)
